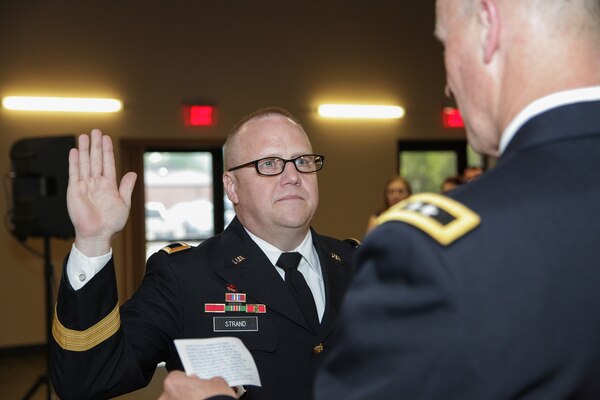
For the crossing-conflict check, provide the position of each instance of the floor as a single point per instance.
(18, 374)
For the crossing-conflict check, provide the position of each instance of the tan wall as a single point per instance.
(241, 55)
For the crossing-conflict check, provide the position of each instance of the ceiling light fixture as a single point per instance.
(360, 111)
(61, 104)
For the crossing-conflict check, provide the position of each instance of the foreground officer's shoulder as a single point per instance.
(353, 242)
(441, 217)
(175, 247)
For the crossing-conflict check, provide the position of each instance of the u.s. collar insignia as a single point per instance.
(335, 257)
(238, 260)
(441, 217)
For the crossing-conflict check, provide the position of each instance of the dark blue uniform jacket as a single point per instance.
(509, 307)
(101, 350)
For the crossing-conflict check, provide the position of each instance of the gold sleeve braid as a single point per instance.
(73, 340)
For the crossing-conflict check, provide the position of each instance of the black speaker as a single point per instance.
(40, 175)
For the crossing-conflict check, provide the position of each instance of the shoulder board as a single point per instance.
(441, 217)
(175, 247)
(352, 242)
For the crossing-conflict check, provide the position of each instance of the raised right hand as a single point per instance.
(98, 209)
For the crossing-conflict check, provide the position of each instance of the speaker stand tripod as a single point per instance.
(49, 281)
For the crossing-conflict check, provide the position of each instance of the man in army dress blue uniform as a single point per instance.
(492, 292)
(227, 286)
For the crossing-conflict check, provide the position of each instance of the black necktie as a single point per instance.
(298, 287)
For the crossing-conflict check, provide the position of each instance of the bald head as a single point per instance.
(501, 55)
(578, 15)
(232, 149)
(555, 41)
(584, 12)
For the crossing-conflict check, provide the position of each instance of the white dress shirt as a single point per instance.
(309, 267)
(81, 268)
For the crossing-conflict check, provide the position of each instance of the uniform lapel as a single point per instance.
(249, 269)
(330, 267)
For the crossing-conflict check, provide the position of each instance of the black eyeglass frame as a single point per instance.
(292, 160)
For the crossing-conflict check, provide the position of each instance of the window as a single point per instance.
(178, 197)
(425, 164)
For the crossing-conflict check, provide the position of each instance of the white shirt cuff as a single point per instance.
(81, 268)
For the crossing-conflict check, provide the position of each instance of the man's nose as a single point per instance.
(290, 171)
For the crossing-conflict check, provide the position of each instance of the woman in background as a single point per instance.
(395, 190)
(450, 183)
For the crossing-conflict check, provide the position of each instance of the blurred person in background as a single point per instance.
(450, 183)
(395, 190)
(470, 173)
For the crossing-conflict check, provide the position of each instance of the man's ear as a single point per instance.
(230, 187)
(489, 19)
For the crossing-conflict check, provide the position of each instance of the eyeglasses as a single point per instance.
(271, 166)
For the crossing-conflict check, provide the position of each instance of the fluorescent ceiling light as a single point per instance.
(61, 104)
(360, 111)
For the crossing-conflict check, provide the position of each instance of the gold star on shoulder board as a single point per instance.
(441, 217)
